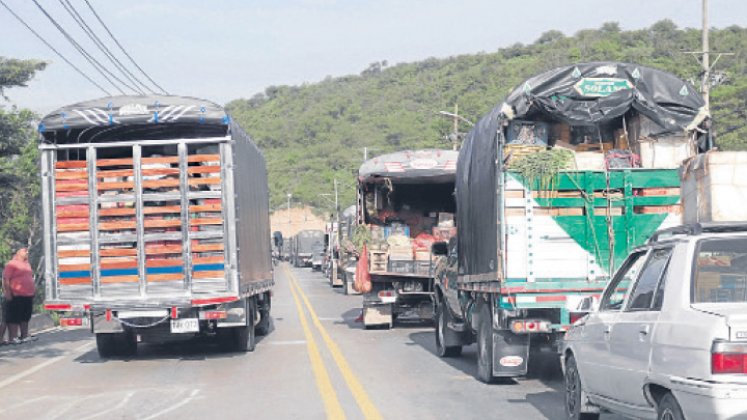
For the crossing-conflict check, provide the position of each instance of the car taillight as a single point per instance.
(728, 357)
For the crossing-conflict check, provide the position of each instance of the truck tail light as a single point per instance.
(386, 293)
(71, 322)
(214, 315)
(524, 326)
(728, 357)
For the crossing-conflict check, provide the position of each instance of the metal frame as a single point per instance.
(50, 201)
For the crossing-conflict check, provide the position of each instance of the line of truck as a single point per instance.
(148, 237)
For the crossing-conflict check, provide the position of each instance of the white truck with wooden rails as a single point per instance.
(147, 236)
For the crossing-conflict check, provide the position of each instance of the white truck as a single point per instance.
(147, 238)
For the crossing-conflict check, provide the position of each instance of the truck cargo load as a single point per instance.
(405, 203)
(533, 242)
(714, 188)
(144, 223)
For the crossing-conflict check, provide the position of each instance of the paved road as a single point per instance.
(316, 363)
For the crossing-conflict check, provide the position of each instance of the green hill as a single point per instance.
(313, 133)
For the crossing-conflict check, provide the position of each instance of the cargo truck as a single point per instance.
(148, 235)
(529, 250)
(401, 197)
(303, 245)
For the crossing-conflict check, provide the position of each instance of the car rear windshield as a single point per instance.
(720, 271)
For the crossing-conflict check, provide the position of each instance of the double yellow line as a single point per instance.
(329, 395)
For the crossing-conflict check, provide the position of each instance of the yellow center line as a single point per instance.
(359, 393)
(331, 404)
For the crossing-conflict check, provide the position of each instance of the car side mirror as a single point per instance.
(440, 248)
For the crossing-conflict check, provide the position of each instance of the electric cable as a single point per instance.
(91, 60)
(59, 54)
(103, 48)
(122, 48)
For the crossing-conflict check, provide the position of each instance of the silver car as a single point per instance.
(668, 339)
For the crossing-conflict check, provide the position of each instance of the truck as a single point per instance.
(529, 250)
(147, 235)
(404, 198)
(303, 245)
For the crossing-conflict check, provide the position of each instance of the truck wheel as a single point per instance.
(574, 394)
(244, 339)
(669, 409)
(485, 346)
(442, 325)
(105, 345)
(128, 343)
(265, 319)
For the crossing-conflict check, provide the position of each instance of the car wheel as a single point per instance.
(442, 322)
(574, 394)
(485, 347)
(669, 409)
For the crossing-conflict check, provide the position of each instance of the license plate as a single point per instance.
(185, 325)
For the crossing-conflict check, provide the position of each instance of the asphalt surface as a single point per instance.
(316, 363)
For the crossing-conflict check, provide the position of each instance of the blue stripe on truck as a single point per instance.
(208, 267)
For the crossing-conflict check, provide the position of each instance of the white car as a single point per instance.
(669, 337)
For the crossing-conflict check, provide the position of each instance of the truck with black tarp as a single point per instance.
(533, 242)
(148, 233)
(303, 246)
(405, 202)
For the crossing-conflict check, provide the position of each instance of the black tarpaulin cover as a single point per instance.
(134, 117)
(476, 184)
(410, 165)
(592, 93)
(579, 94)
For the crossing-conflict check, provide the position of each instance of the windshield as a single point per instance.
(720, 271)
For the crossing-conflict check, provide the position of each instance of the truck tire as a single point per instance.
(105, 345)
(128, 343)
(244, 339)
(442, 325)
(265, 319)
(575, 400)
(485, 346)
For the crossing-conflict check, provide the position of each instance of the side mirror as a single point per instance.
(440, 248)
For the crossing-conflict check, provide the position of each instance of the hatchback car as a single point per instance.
(669, 337)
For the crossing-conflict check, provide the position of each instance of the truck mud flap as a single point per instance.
(510, 354)
(377, 315)
(100, 323)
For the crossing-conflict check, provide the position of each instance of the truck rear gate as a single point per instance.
(141, 221)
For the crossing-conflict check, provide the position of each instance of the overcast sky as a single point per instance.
(227, 49)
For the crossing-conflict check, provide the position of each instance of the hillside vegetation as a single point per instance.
(313, 133)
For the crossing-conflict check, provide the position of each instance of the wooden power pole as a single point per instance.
(706, 84)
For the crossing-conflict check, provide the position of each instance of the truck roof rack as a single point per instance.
(697, 229)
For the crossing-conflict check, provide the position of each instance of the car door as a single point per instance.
(592, 348)
(631, 334)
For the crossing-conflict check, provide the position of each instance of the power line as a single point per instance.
(122, 48)
(96, 65)
(102, 47)
(54, 49)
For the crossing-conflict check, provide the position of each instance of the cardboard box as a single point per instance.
(423, 255)
(400, 253)
(404, 267)
(443, 234)
(446, 219)
(714, 187)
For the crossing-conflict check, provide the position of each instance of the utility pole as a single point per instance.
(365, 153)
(705, 86)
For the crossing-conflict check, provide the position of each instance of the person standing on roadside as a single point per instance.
(18, 290)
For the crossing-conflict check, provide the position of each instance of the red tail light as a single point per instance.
(728, 357)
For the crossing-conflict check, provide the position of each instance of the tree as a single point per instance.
(20, 223)
(16, 73)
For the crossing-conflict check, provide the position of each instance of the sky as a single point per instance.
(228, 49)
